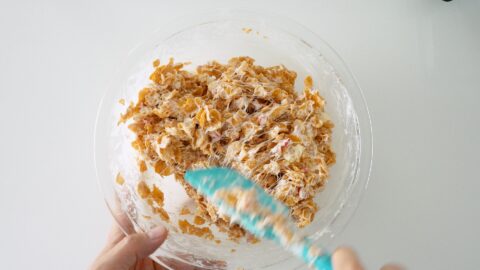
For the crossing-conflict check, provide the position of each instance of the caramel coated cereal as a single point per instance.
(198, 220)
(188, 228)
(240, 115)
(119, 179)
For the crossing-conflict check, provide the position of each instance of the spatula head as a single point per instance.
(208, 181)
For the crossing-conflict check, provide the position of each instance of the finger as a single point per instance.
(133, 248)
(148, 264)
(121, 217)
(114, 236)
(140, 245)
(139, 265)
(158, 266)
(174, 264)
(392, 266)
(120, 228)
(346, 259)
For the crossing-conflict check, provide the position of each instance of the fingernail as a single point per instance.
(157, 233)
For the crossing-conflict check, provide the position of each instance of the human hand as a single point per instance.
(130, 252)
(347, 259)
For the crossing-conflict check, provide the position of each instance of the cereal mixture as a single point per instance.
(239, 115)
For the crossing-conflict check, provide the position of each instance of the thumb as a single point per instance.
(346, 259)
(133, 248)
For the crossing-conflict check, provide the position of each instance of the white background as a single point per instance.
(416, 60)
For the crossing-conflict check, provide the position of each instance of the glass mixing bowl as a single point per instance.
(218, 35)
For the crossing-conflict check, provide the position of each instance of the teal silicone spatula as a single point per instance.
(256, 211)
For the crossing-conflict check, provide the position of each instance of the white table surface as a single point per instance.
(417, 62)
